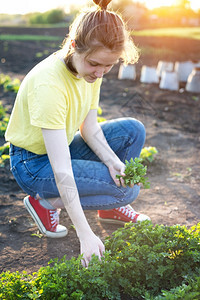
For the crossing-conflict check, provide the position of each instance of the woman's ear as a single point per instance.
(73, 43)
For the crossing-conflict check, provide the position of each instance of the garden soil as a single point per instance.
(172, 121)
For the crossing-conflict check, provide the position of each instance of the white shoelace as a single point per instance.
(127, 211)
(54, 217)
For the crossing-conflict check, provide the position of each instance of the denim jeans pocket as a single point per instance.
(37, 166)
(21, 180)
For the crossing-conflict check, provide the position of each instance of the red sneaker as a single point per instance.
(47, 220)
(121, 215)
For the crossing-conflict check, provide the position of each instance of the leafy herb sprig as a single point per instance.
(135, 172)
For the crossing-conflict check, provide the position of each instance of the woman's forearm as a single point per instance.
(95, 139)
(59, 156)
(70, 197)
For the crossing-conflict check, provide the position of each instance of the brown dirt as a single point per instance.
(172, 123)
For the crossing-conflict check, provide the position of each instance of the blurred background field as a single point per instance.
(160, 28)
(138, 14)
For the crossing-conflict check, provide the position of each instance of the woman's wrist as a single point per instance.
(83, 233)
(112, 164)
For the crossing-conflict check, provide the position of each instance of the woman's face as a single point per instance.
(96, 64)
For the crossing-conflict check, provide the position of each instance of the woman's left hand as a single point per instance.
(117, 169)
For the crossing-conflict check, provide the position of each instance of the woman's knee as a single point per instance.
(135, 128)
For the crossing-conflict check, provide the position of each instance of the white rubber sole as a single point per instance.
(111, 221)
(140, 218)
(41, 227)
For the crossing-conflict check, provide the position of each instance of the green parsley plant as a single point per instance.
(135, 173)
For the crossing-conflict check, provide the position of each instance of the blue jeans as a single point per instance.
(96, 188)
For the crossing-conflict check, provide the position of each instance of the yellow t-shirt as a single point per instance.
(50, 97)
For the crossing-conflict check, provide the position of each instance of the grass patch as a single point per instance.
(29, 37)
(179, 32)
(157, 52)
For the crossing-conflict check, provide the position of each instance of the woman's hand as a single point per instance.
(90, 245)
(118, 169)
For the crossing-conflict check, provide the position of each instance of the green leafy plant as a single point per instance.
(153, 259)
(37, 234)
(9, 84)
(4, 119)
(4, 149)
(135, 173)
(12, 86)
(141, 262)
(4, 159)
(2, 111)
(3, 125)
(4, 79)
(17, 286)
(189, 290)
(148, 154)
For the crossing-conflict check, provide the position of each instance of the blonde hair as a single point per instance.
(99, 28)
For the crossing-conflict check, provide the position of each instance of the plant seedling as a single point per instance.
(37, 234)
(135, 172)
(148, 154)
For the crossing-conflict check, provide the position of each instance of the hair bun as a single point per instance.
(102, 3)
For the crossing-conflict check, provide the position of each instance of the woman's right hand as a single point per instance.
(90, 245)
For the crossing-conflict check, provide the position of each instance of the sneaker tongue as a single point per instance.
(129, 207)
(46, 204)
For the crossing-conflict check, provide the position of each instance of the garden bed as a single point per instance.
(172, 124)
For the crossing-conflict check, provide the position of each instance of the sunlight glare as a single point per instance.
(156, 3)
(26, 6)
(195, 4)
